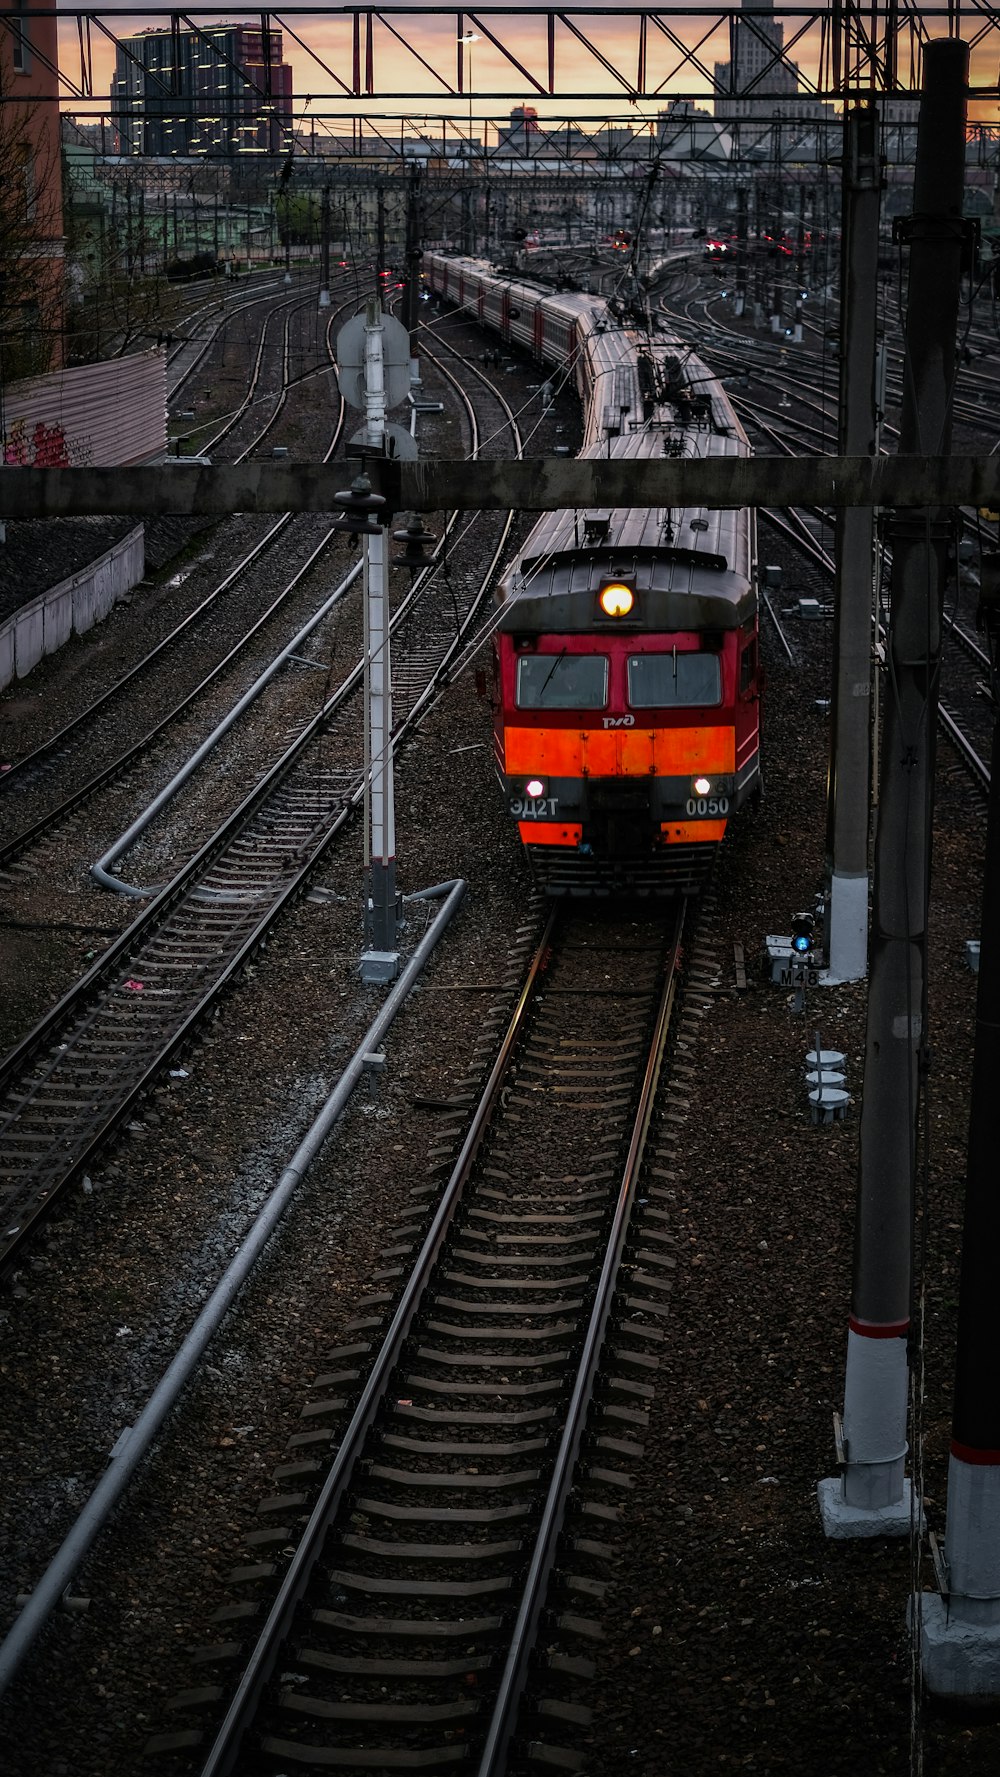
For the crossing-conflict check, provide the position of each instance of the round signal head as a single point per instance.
(616, 600)
(702, 785)
(534, 787)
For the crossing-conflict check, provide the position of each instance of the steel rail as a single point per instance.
(14, 847)
(58, 740)
(966, 750)
(134, 1443)
(503, 1721)
(100, 870)
(238, 413)
(228, 1742)
(240, 303)
(88, 991)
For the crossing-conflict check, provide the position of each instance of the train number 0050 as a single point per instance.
(707, 805)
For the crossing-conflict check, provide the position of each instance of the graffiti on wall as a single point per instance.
(41, 447)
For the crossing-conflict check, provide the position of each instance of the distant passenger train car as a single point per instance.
(626, 672)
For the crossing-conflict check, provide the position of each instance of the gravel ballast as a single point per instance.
(737, 1638)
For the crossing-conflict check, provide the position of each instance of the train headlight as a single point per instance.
(534, 787)
(616, 600)
(702, 786)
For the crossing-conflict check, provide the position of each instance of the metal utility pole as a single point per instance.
(373, 370)
(849, 786)
(412, 254)
(871, 1497)
(741, 249)
(800, 240)
(960, 1630)
(381, 900)
(324, 249)
(380, 249)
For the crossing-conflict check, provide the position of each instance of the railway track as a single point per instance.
(966, 704)
(73, 1079)
(82, 737)
(202, 327)
(85, 730)
(513, 1377)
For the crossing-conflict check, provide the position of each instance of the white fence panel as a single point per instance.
(45, 624)
(29, 637)
(58, 607)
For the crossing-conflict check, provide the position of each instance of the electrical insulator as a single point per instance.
(359, 506)
(415, 541)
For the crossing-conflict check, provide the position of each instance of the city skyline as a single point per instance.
(419, 79)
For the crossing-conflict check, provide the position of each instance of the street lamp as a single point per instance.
(468, 195)
(469, 37)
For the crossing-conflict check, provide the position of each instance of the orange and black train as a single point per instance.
(626, 670)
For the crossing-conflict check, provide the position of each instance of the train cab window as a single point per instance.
(562, 682)
(663, 681)
(748, 667)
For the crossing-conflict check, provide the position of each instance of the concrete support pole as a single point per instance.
(872, 1497)
(741, 249)
(849, 789)
(412, 254)
(324, 249)
(381, 959)
(960, 1631)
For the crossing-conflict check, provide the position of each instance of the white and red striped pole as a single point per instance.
(960, 1630)
(871, 1496)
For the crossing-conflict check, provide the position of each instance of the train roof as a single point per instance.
(690, 567)
(575, 304)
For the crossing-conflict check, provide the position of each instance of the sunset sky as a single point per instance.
(587, 89)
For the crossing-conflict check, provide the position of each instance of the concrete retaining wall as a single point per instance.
(42, 626)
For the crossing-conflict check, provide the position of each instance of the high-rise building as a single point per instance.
(760, 72)
(221, 90)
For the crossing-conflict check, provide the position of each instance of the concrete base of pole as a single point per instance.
(871, 1496)
(848, 929)
(843, 1523)
(324, 299)
(972, 1543)
(957, 1659)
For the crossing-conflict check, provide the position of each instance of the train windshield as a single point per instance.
(562, 682)
(663, 681)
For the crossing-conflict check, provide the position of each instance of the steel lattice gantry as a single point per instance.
(417, 52)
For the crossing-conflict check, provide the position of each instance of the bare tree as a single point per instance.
(30, 239)
(119, 295)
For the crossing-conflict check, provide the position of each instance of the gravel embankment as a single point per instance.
(737, 1637)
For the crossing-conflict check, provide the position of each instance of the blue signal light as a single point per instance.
(803, 927)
